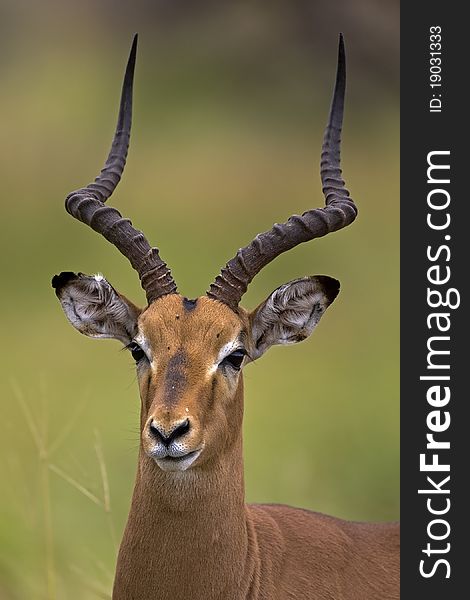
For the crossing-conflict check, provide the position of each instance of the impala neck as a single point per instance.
(181, 528)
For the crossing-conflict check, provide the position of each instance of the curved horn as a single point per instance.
(87, 204)
(339, 211)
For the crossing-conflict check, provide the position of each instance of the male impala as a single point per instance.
(189, 534)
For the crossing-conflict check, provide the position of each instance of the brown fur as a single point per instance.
(190, 535)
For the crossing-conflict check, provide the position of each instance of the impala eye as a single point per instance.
(235, 359)
(137, 353)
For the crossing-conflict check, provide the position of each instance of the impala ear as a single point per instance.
(95, 308)
(291, 312)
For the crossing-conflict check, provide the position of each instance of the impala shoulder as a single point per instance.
(378, 540)
(306, 530)
(340, 556)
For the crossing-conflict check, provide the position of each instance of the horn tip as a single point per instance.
(133, 51)
(134, 41)
(341, 50)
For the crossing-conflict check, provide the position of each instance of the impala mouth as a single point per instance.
(177, 463)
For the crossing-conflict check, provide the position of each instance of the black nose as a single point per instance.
(166, 435)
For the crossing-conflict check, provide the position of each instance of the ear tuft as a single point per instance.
(329, 285)
(58, 281)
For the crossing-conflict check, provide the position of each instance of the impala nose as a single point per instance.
(166, 435)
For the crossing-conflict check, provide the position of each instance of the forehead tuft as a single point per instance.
(189, 305)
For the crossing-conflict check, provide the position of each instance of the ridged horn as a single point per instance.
(88, 204)
(339, 210)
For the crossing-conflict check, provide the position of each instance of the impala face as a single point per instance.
(189, 355)
(188, 377)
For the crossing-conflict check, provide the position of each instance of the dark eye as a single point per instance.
(137, 353)
(234, 360)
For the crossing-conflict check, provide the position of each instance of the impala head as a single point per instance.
(189, 353)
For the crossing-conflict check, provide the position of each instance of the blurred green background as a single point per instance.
(230, 103)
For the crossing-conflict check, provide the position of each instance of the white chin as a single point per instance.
(178, 464)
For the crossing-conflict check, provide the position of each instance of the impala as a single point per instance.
(189, 533)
